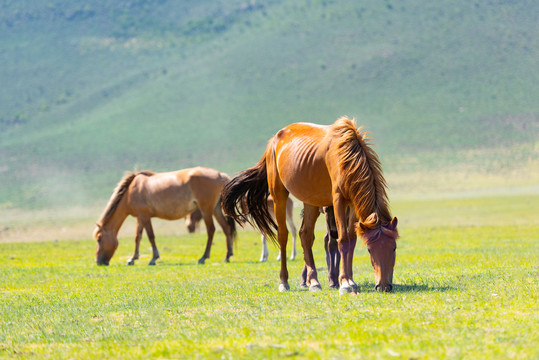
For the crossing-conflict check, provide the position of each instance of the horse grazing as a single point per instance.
(191, 221)
(322, 166)
(170, 196)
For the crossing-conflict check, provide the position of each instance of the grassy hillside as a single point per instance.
(96, 89)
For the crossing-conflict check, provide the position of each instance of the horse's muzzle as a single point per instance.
(101, 261)
(385, 288)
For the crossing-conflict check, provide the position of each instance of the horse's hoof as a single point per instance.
(315, 288)
(201, 261)
(284, 287)
(152, 262)
(303, 286)
(130, 262)
(345, 290)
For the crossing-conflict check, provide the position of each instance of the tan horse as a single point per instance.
(321, 166)
(170, 196)
(192, 220)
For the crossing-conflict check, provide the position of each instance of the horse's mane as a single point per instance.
(363, 180)
(118, 194)
(376, 234)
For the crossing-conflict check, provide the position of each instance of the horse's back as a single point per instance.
(300, 160)
(206, 182)
(173, 195)
(201, 173)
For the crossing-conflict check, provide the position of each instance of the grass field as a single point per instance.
(466, 287)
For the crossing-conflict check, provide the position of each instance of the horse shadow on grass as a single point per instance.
(408, 288)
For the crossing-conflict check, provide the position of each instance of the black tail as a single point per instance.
(245, 199)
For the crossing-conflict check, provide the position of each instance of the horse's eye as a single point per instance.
(395, 249)
(99, 239)
(369, 251)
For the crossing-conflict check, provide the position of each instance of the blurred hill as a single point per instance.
(449, 90)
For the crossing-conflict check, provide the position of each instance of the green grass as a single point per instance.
(463, 290)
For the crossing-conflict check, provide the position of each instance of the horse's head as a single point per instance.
(191, 225)
(107, 243)
(192, 220)
(381, 243)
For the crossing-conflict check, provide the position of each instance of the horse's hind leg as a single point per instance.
(210, 229)
(282, 236)
(265, 252)
(227, 229)
(306, 234)
(138, 236)
(147, 224)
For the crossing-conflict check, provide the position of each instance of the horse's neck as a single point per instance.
(117, 219)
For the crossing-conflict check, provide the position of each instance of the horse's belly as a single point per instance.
(305, 177)
(171, 202)
(173, 210)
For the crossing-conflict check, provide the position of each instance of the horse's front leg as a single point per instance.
(347, 244)
(303, 283)
(306, 234)
(346, 248)
(352, 236)
(147, 224)
(138, 236)
(347, 284)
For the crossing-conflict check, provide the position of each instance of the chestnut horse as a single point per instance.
(192, 220)
(331, 165)
(170, 196)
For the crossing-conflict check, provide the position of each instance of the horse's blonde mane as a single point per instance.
(118, 194)
(363, 180)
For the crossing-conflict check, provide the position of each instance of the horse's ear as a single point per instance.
(363, 226)
(98, 226)
(394, 222)
(371, 222)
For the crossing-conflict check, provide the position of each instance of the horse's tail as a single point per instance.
(245, 199)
